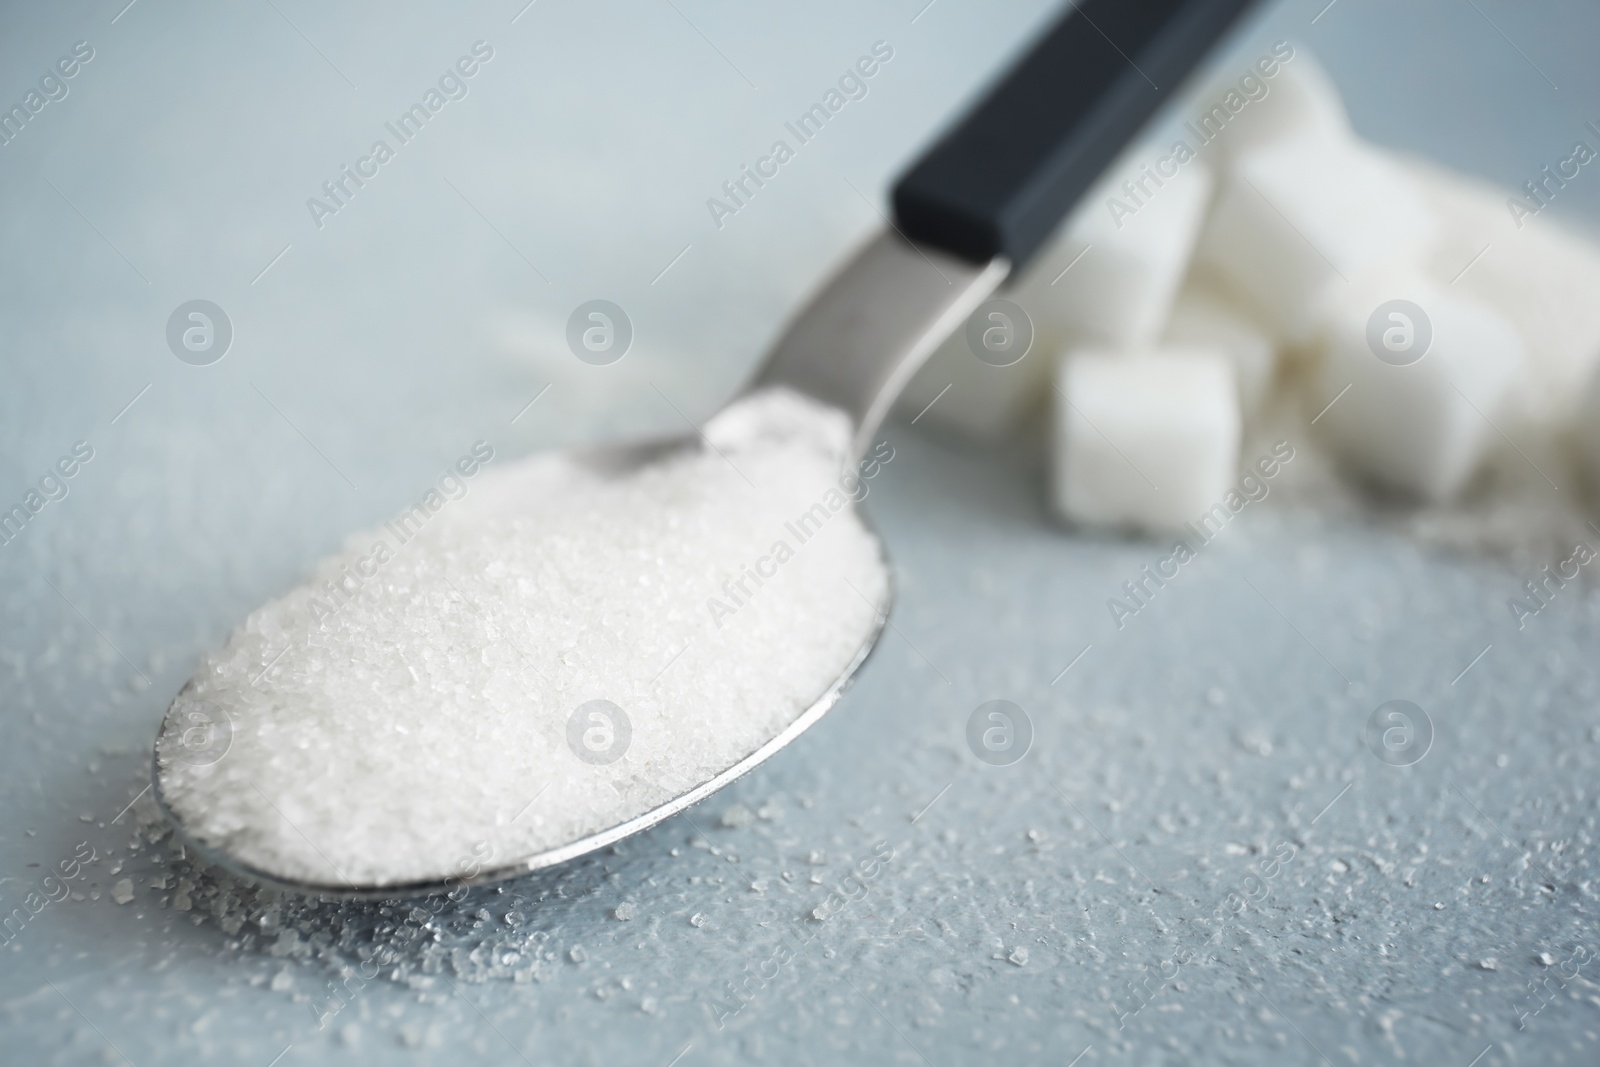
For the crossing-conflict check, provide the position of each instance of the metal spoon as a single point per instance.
(982, 199)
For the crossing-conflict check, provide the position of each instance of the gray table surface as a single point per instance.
(1173, 764)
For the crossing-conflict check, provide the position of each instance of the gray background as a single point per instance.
(1171, 760)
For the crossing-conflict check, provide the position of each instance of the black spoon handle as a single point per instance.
(999, 181)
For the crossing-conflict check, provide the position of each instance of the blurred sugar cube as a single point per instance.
(1206, 317)
(1305, 213)
(1411, 379)
(1147, 439)
(1286, 94)
(1128, 249)
(1542, 278)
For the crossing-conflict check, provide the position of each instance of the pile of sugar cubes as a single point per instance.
(1258, 269)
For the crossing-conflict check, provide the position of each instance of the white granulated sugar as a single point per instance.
(421, 730)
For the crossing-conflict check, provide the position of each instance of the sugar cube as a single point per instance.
(1411, 380)
(1300, 98)
(1306, 212)
(1128, 247)
(1146, 439)
(1206, 317)
(1540, 276)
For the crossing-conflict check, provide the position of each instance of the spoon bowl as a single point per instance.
(495, 872)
